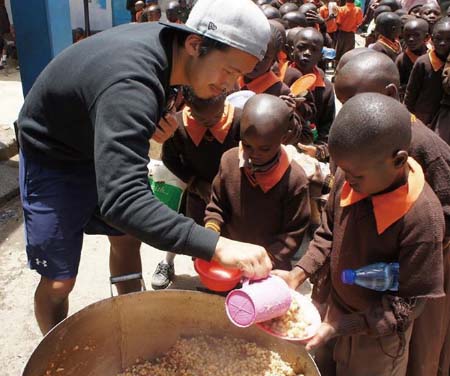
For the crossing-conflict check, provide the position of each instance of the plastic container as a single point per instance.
(216, 277)
(258, 301)
(328, 53)
(240, 98)
(380, 276)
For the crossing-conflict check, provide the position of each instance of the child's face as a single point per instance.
(172, 15)
(416, 11)
(210, 114)
(368, 174)
(441, 40)
(414, 37)
(307, 52)
(259, 150)
(154, 15)
(431, 13)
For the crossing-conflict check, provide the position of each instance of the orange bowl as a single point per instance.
(216, 277)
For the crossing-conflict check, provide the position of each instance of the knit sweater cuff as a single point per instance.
(201, 243)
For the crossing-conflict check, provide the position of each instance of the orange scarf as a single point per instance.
(412, 56)
(260, 84)
(389, 207)
(197, 131)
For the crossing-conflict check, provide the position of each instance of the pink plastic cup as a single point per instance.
(258, 301)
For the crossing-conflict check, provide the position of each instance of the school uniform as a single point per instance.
(195, 152)
(324, 100)
(330, 24)
(268, 83)
(348, 20)
(424, 89)
(405, 62)
(404, 226)
(388, 47)
(269, 208)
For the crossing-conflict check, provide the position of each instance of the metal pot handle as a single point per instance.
(126, 277)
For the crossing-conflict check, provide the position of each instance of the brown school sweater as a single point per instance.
(387, 47)
(324, 100)
(186, 160)
(424, 89)
(352, 236)
(275, 220)
(405, 62)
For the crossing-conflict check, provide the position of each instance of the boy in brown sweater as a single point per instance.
(260, 194)
(389, 27)
(377, 73)
(380, 210)
(415, 36)
(206, 130)
(424, 89)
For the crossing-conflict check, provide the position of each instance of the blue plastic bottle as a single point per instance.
(380, 276)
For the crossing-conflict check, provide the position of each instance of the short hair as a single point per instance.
(393, 4)
(442, 21)
(271, 12)
(380, 10)
(288, 7)
(386, 21)
(371, 122)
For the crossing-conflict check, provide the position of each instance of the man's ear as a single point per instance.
(400, 158)
(192, 45)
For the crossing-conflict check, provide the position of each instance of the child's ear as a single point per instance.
(400, 158)
(192, 45)
(391, 91)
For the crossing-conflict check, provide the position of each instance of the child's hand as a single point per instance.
(294, 278)
(166, 128)
(326, 332)
(312, 16)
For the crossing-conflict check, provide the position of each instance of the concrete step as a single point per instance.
(9, 179)
(8, 143)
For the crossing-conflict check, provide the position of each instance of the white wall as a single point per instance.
(100, 18)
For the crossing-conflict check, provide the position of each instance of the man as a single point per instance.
(84, 135)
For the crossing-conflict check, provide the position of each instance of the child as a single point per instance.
(262, 79)
(183, 11)
(441, 124)
(272, 13)
(348, 20)
(372, 35)
(288, 7)
(389, 27)
(294, 19)
(206, 129)
(379, 210)
(307, 53)
(415, 36)
(424, 89)
(139, 8)
(260, 194)
(377, 73)
(431, 12)
(154, 13)
(172, 11)
(330, 20)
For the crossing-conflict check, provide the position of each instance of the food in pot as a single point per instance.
(214, 356)
(293, 324)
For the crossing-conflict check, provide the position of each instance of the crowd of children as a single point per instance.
(387, 190)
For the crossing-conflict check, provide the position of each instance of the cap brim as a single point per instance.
(181, 27)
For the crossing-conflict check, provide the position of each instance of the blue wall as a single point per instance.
(120, 14)
(42, 31)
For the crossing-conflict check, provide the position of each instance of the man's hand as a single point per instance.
(251, 259)
(324, 334)
(166, 128)
(294, 278)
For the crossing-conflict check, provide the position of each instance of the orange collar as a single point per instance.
(260, 84)
(412, 56)
(197, 131)
(283, 70)
(282, 57)
(436, 63)
(389, 207)
(268, 179)
(393, 45)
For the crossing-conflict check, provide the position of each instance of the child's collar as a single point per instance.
(260, 84)
(268, 179)
(220, 130)
(436, 62)
(393, 45)
(389, 207)
(412, 56)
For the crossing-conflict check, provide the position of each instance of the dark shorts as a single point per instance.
(59, 205)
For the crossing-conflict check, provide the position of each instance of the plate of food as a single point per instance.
(300, 323)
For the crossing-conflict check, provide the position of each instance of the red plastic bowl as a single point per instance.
(216, 277)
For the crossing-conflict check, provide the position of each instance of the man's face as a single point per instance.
(217, 71)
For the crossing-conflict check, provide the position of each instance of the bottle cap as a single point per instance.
(348, 276)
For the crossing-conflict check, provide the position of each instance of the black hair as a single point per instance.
(206, 46)
(443, 20)
(380, 10)
(271, 12)
(393, 4)
(387, 23)
(288, 7)
(296, 18)
(371, 122)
